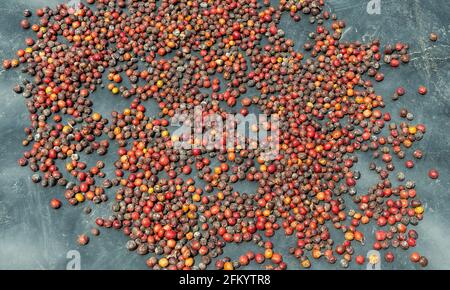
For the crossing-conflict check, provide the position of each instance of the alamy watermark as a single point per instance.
(73, 6)
(74, 262)
(198, 129)
(374, 7)
(373, 260)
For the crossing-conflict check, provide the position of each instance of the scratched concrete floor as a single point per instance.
(32, 236)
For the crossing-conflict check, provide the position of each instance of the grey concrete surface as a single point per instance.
(33, 236)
